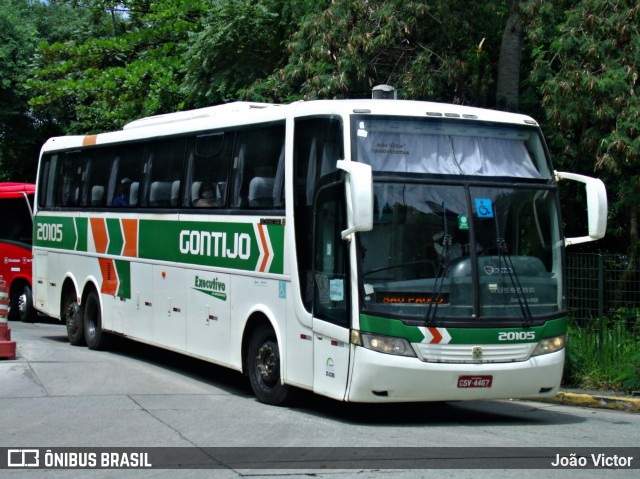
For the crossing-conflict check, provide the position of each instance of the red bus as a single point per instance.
(16, 234)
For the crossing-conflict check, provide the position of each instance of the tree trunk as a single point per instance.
(508, 86)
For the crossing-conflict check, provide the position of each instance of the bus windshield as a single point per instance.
(478, 245)
(452, 147)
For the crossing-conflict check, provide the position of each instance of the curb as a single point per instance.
(626, 404)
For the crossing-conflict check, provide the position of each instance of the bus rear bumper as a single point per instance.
(380, 378)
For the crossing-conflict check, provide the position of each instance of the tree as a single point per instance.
(427, 50)
(21, 133)
(111, 76)
(240, 43)
(588, 77)
(508, 84)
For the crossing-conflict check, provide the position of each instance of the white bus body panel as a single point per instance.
(399, 378)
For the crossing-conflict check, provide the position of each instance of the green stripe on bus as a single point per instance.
(221, 244)
(276, 233)
(123, 269)
(81, 230)
(55, 232)
(396, 328)
(116, 238)
(233, 245)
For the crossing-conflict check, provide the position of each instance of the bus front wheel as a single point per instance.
(263, 362)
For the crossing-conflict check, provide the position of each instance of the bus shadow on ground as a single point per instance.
(228, 380)
(486, 413)
(464, 413)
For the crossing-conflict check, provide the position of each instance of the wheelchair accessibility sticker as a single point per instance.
(484, 208)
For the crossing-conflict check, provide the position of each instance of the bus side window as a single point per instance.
(97, 172)
(46, 180)
(164, 160)
(208, 169)
(124, 180)
(70, 180)
(258, 168)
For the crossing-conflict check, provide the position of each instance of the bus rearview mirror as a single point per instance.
(596, 206)
(359, 185)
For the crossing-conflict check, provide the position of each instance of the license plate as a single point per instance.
(475, 381)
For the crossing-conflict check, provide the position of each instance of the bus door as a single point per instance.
(331, 301)
(46, 292)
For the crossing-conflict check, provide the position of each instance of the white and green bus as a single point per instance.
(366, 250)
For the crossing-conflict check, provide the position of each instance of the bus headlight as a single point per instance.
(550, 345)
(383, 344)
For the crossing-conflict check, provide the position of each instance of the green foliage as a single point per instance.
(428, 51)
(629, 371)
(588, 76)
(238, 45)
(99, 83)
(604, 354)
(18, 39)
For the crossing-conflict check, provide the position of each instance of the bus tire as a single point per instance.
(73, 320)
(263, 363)
(22, 301)
(94, 336)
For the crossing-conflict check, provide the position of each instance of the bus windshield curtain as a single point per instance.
(446, 154)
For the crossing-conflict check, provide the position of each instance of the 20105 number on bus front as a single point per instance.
(475, 381)
(516, 336)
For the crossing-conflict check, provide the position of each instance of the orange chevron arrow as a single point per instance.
(437, 337)
(265, 247)
(109, 276)
(100, 236)
(130, 231)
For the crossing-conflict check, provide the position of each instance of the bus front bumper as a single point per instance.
(380, 378)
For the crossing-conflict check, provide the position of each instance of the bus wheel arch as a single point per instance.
(261, 355)
(70, 313)
(21, 298)
(91, 313)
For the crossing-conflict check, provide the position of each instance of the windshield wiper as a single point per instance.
(503, 252)
(443, 268)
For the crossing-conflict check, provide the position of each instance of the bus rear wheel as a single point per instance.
(95, 337)
(73, 320)
(263, 363)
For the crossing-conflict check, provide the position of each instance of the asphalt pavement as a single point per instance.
(167, 400)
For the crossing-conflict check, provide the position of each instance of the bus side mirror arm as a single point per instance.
(596, 206)
(359, 195)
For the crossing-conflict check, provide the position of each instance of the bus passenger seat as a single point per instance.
(261, 192)
(97, 195)
(160, 194)
(133, 193)
(195, 191)
(175, 193)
